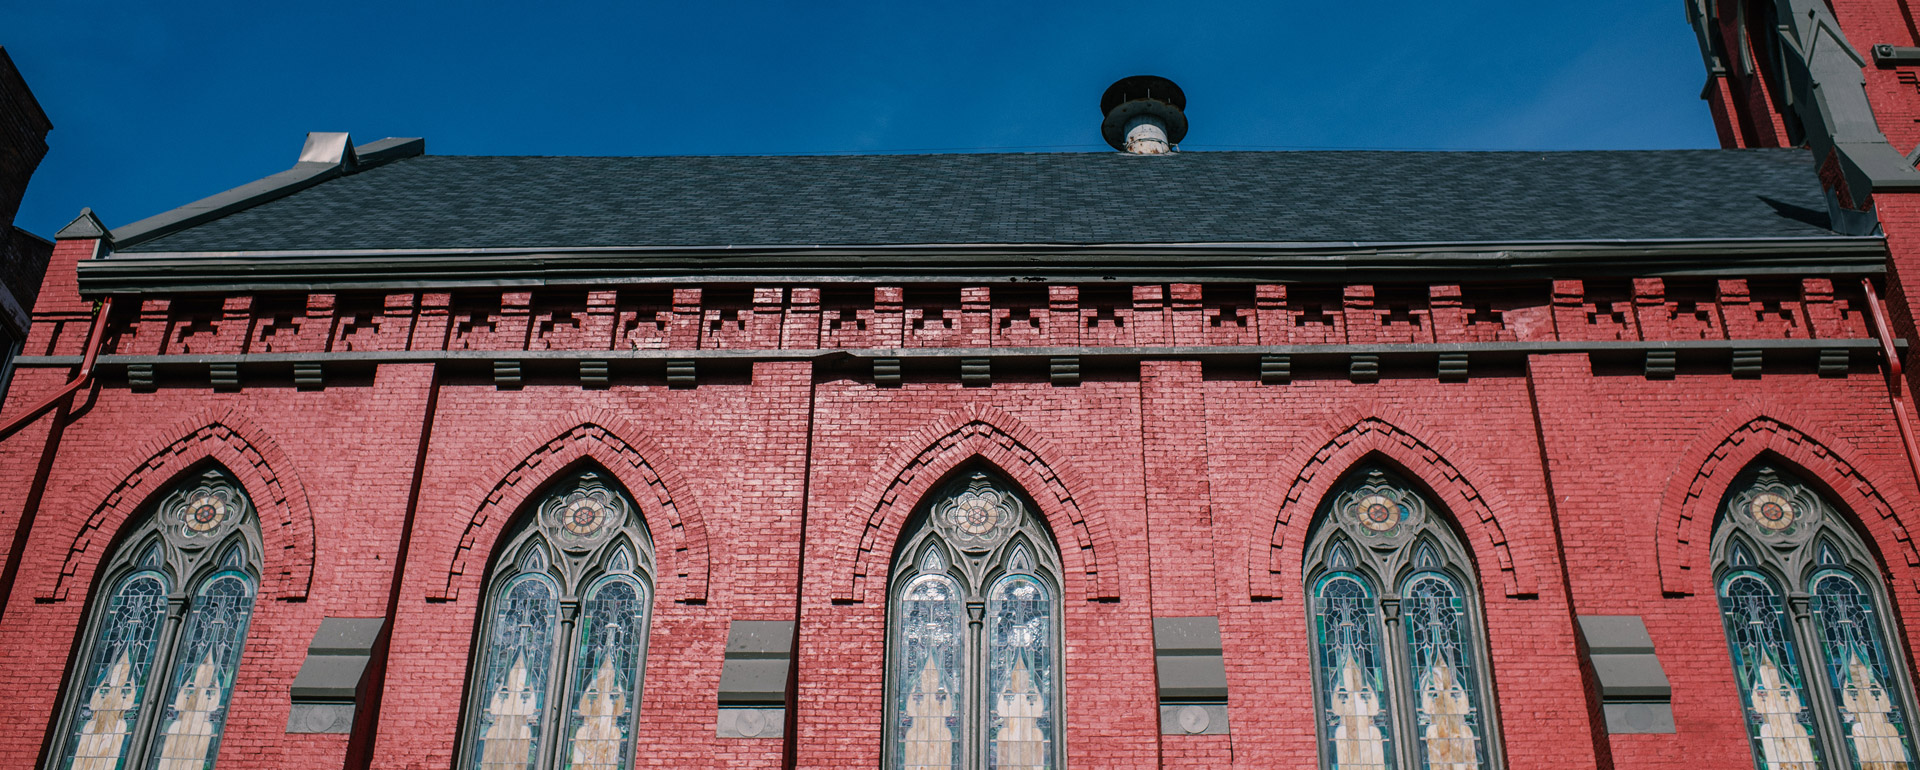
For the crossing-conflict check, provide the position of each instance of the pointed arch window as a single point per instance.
(1803, 605)
(1396, 625)
(168, 622)
(557, 672)
(973, 640)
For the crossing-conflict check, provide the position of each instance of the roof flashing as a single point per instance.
(334, 148)
(84, 227)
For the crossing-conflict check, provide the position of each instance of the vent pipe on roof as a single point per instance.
(1145, 115)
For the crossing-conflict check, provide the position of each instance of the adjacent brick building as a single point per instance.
(23, 255)
(1569, 460)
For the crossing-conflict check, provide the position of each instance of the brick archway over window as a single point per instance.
(224, 436)
(1694, 491)
(1073, 513)
(1274, 560)
(641, 465)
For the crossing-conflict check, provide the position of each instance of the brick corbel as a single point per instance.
(633, 457)
(1684, 533)
(238, 444)
(1075, 514)
(1274, 559)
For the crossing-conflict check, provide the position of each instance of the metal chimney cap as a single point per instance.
(1131, 96)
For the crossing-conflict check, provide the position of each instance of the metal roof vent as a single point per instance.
(1145, 115)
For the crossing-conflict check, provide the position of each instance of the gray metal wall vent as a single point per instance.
(1634, 691)
(327, 689)
(753, 679)
(1192, 676)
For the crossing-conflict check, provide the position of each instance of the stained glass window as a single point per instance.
(1767, 669)
(1019, 673)
(520, 653)
(1353, 679)
(203, 679)
(1440, 658)
(607, 674)
(1399, 678)
(557, 679)
(975, 543)
(929, 697)
(1819, 684)
(160, 663)
(116, 679)
(1860, 677)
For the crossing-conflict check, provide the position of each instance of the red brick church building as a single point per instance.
(1149, 458)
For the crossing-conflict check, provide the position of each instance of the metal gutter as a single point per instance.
(178, 272)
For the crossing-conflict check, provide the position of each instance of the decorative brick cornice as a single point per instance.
(641, 465)
(1274, 560)
(789, 317)
(1684, 532)
(230, 438)
(1074, 513)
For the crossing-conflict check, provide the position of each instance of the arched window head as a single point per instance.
(1398, 651)
(563, 634)
(1802, 602)
(165, 632)
(973, 639)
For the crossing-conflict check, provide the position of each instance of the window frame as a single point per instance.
(976, 574)
(12, 344)
(185, 567)
(1790, 563)
(1386, 568)
(573, 571)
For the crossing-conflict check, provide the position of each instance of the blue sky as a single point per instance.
(156, 104)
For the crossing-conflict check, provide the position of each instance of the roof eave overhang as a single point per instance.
(415, 269)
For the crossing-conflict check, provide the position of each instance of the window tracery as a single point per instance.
(1801, 601)
(1396, 624)
(562, 646)
(165, 634)
(974, 634)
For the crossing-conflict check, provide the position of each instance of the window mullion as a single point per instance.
(1819, 692)
(560, 685)
(974, 747)
(159, 680)
(1399, 684)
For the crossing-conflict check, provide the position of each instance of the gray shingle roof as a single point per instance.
(1193, 197)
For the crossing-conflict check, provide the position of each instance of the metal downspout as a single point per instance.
(1897, 382)
(86, 372)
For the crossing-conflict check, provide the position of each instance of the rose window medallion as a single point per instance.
(584, 516)
(207, 509)
(980, 517)
(205, 512)
(1379, 513)
(585, 513)
(1771, 511)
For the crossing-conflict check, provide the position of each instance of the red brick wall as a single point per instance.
(1174, 488)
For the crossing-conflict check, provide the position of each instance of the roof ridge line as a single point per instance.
(324, 156)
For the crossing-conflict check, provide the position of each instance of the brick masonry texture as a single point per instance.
(1173, 487)
(777, 481)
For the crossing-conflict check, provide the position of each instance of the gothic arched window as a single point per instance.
(563, 635)
(1398, 654)
(1807, 630)
(165, 633)
(973, 640)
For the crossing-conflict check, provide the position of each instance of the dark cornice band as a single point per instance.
(992, 263)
